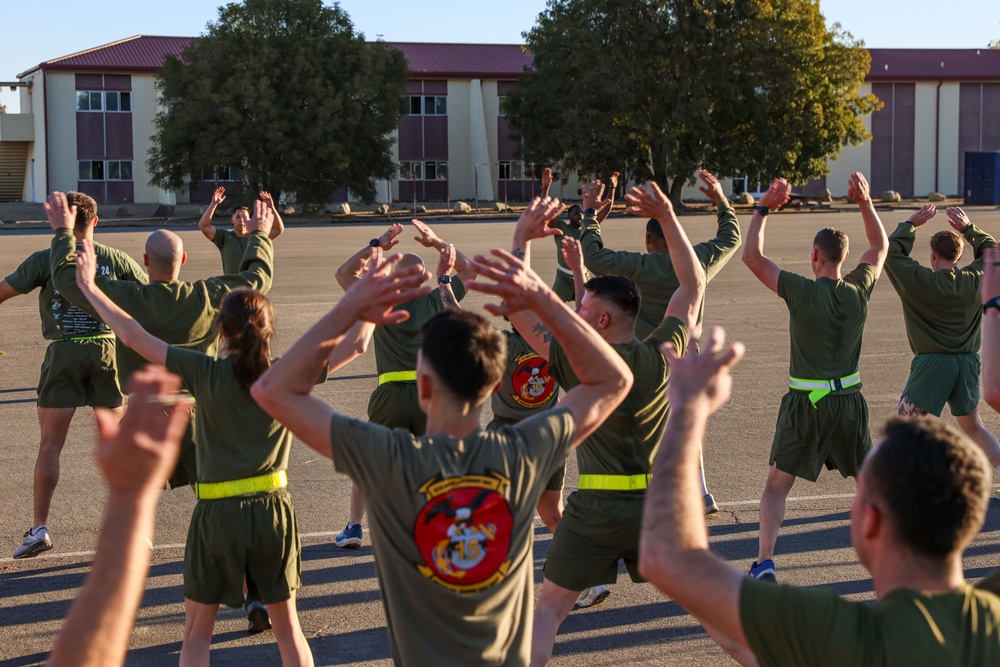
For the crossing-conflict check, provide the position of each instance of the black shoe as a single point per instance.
(256, 616)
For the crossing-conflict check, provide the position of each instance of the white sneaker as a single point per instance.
(35, 542)
(711, 507)
(592, 597)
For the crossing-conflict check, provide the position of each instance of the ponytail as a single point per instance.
(247, 323)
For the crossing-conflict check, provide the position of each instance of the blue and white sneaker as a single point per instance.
(764, 571)
(349, 537)
(35, 542)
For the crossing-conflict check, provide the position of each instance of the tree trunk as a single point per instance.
(676, 188)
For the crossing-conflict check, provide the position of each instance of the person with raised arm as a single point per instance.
(232, 244)
(452, 510)
(823, 419)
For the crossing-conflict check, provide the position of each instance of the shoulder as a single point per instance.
(863, 276)
(554, 425)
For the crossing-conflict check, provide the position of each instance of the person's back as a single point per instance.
(396, 345)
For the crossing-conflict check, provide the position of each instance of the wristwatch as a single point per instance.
(763, 210)
(992, 303)
(590, 213)
(374, 243)
(444, 280)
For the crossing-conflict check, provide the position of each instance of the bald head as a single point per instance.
(164, 254)
(410, 259)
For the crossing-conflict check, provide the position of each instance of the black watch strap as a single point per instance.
(992, 303)
(374, 243)
(763, 210)
(444, 280)
(590, 213)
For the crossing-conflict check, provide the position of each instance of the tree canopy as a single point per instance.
(289, 92)
(659, 88)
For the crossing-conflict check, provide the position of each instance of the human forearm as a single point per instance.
(278, 227)
(877, 239)
(99, 623)
(354, 344)
(205, 223)
(978, 239)
(350, 271)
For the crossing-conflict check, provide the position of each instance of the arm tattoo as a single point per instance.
(517, 252)
(542, 331)
(448, 298)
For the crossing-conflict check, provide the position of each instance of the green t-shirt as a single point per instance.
(526, 386)
(791, 626)
(942, 309)
(61, 317)
(176, 312)
(626, 443)
(234, 437)
(653, 272)
(231, 247)
(826, 322)
(396, 345)
(452, 521)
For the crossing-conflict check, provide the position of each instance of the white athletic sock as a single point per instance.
(701, 474)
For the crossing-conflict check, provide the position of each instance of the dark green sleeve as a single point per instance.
(129, 269)
(256, 270)
(791, 287)
(30, 273)
(601, 260)
(865, 277)
(717, 252)
(980, 241)
(220, 237)
(62, 259)
(559, 367)
(670, 330)
(785, 625)
(458, 287)
(193, 367)
(905, 273)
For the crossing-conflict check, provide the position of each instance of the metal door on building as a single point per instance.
(982, 178)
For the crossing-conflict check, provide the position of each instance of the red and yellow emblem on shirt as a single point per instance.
(463, 532)
(533, 386)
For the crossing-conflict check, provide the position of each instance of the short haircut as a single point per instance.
(654, 229)
(86, 208)
(948, 244)
(832, 244)
(617, 290)
(934, 484)
(574, 206)
(466, 352)
(241, 208)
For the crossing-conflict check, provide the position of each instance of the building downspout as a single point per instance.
(937, 135)
(45, 122)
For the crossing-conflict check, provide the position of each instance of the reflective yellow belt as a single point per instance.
(110, 334)
(241, 487)
(614, 482)
(819, 388)
(397, 376)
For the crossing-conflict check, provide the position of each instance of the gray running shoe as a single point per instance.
(257, 617)
(35, 542)
(711, 508)
(592, 597)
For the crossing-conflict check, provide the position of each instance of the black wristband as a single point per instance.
(590, 213)
(444, 280)
(763, 210)
(374, 243)
(992, 303)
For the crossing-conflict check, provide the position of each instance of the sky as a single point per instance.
(40, 30)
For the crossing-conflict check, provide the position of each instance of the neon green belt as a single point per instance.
(241, 487)
(614, 482)
(110, 334)
(397, 376)
(819, 388)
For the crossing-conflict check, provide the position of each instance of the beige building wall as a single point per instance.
(461, 181)
(144, 110)
(925, 122)
(948, 140)
(64, 170)
(851, 158)
(32, 100)
(491, 109)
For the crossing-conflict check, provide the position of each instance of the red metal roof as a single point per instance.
(141, 53)
(934, 64)
(465, 60)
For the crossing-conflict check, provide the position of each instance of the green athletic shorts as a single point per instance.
(80, 372)
(395, 405)
(254, 536)
(558, 479)
(595, 532)
(834, 433)
(563, 286)
(936, 379)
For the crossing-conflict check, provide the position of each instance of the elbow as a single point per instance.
(262, 393)
(654, 562)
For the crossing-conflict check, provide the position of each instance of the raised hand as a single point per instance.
(777, 195)
(958, 219)
(390, 237)
(858, 188)
(702, 380)
(219, 196)
(712, 188)
(427, 237)
(572, 252)
(513, 281)
(266, 197)
(60, 214)
(380, 289)
(446, 262)
(614, 180)
(86, 265)
(262, 219)
(534, 221)
(926, 212)
(650, 202)
(592, 193)
(546, 177)
(137, 455)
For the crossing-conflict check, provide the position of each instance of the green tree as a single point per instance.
(661, 88)
(287, 90)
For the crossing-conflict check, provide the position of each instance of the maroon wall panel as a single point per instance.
(406, 190)
(89, 82)
(435, 190)
(991, 117)
(93, 188)
(117, 82)
(435, 87)
(506, 147)
(120, 192)
(436, 137)
(881, 176)
(119, 129)
(814, 187)
(89, 136)
(903, 139)
(414, 87)
(969, 108)
(504, 87)
(411, 142)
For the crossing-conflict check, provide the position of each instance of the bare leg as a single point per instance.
(357, 505)
(292, 643)
(554, 605)
(908, 408)
(199, 622)
(772, 510)
(550, 509)
(54, 424)
(973, 427)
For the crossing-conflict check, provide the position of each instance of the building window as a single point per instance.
(117, 101)
(512, 171)
(421, 171)
(89, 100)
(119, 170)
(91, 170)
(436, 171)
(426, 105)
(500, 105)
(435, 105)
